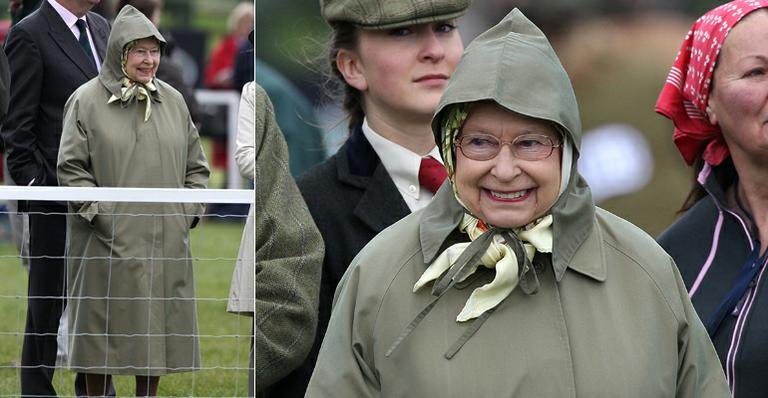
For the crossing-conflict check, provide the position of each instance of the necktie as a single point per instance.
(431, 174)
(83, 40)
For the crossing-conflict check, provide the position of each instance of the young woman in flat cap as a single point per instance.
(392, 60)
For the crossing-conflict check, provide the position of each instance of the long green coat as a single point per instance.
(129, 267)
(611, 317)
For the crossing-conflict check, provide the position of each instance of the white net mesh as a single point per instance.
(154, 303)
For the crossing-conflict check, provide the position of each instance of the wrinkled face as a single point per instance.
(506, 191)
(738, 103)
(143, 60)
(402, 72)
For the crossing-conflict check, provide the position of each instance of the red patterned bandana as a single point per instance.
(686, 91)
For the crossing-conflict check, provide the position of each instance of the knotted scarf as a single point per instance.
(537, 236)
(686, 92)
(135, 91)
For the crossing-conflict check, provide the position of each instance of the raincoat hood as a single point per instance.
(514, 65)
(129, 25)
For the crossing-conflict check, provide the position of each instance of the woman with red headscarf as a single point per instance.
(717, 96)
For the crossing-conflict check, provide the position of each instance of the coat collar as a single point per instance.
(442, 216)
(358, 165)
(64, 38)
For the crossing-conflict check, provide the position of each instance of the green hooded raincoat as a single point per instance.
(129, 268)
(611, 317)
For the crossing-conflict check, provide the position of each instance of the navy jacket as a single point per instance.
(710, 243)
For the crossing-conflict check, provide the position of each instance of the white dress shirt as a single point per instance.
(403, 167)
(69, 20)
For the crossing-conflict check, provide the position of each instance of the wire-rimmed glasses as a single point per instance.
(525, 146)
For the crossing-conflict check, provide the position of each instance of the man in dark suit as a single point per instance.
(51, 52)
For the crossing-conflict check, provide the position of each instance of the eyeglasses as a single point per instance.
(526, 146)
(146, 53)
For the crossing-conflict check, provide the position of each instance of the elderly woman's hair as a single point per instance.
(344, 36)
(146, 7)
(241, 10)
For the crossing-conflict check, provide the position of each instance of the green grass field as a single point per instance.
(224, 353)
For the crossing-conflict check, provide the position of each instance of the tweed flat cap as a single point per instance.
(388, 14)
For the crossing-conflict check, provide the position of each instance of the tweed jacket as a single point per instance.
(288, 255)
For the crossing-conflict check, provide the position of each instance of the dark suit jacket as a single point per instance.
(47, 64)
(5, 82)
(352, 198)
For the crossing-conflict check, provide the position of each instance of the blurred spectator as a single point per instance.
(220, 70)
(244, 64)
(219, 73)
(169, 70)
(21, 8)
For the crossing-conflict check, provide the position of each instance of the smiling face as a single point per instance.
(402, 72)
(738, 103)
(505, 191)
(143, 60)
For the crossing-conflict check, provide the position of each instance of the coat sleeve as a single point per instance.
(245, 155)
(288, 257)
(699, 372)
(344, 367)
(73, 166)
(197, 171)
(25, 162)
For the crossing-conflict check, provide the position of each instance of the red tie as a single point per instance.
(431, 174)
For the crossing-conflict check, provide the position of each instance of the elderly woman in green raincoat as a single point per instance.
(132, 307)
(511, 282)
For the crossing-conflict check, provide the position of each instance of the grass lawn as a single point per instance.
(225, 338)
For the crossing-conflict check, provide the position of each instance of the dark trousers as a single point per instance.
(47, 278)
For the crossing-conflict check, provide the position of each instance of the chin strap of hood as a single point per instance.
(135, 91)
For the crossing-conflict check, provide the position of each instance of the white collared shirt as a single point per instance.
(69, 20)
(402, 166)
